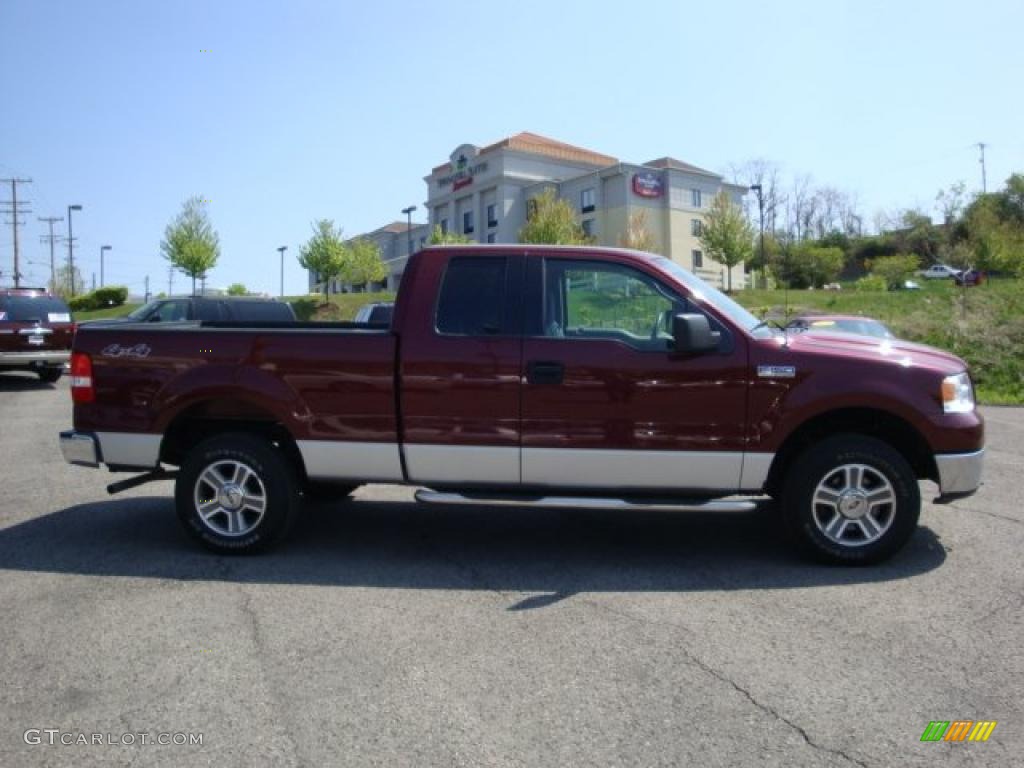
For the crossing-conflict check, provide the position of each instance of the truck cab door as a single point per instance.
(460, 359)
(607, 403)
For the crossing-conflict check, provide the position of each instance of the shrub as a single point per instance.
(871, 283)
(893, 270)
(110, 296)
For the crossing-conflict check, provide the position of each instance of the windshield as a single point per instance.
(724, 304)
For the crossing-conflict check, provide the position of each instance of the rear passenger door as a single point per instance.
(460, 376)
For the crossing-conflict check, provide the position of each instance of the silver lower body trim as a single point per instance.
(585, 502)
(332, 460)
(959, 473)
(129, 449)
(79, 449)
(459, 464)
(599, 468)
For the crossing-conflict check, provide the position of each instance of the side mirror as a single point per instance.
(693, 335)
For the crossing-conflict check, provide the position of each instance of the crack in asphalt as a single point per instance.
(722, 677)
(967, 511)
(480, 580)
(259, 643)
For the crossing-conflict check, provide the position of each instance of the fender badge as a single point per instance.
(776, 371)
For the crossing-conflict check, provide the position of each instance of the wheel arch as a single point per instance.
(871, 422)
(219, 415)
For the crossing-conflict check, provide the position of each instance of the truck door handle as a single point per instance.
(544, 372)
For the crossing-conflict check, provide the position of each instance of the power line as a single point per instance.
(15, 210)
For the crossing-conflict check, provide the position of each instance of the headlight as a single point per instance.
(957, 394)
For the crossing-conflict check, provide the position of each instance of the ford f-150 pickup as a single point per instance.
(542, 375)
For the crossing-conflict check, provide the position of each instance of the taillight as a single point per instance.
(82, 389)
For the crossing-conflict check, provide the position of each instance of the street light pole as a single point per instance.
(103, 249)
(71, 249)
(408, 231)
(760, 219)
(281, 250)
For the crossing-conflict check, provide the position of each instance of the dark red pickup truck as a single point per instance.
(541, 375)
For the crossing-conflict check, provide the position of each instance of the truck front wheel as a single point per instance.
(851, 500)
(236, 494)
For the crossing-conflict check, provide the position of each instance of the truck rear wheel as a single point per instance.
(851, 500)
(236, 494)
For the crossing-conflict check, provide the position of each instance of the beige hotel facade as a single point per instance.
(484, 193)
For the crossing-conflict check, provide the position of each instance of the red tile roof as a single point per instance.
(541, 145)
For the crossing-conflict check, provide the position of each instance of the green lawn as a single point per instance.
(100, 314)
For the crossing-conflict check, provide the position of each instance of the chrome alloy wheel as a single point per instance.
(230, 498)
(854, 505)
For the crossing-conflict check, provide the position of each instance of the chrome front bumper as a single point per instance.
(959, 473)
(79, 448)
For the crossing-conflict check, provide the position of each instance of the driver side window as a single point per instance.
(597, 300)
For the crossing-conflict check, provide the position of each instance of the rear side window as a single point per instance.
(472, 299)
(209, 310)
(29, 309)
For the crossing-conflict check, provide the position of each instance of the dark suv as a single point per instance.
(178, 308)
(36, 331)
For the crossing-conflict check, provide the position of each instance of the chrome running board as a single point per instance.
(585, 502)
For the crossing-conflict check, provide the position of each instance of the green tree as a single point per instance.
(362, 261)
(237, 289)
(61, 282)
(805, 265)
(190, 243)
(551, 221)
(437, 237)
(726, 235)
(324, 253)
(637, 236)
(894, 270)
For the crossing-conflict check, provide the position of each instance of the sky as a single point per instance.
(281, 113)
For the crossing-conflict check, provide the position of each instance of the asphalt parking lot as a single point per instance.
(389, 634)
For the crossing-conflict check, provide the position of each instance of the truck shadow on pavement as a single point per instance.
(395, 544)
(18, 382)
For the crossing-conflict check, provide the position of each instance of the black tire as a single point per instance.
(272, 479)
(50, 375)
(872, 529)
(318, 490)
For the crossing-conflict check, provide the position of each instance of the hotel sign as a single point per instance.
(464, 170)
(648, 184)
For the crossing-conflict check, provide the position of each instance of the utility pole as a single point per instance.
(146, 299)
(981, 148)
(51, 239)
(93, 282)
(15, 210)
(760, 217)
(170, 281)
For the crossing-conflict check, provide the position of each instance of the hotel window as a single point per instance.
(698, 259)
(587, 200)
(696, 227)
(492, 215)
(696, 198)
(588, 227)
(444, 226)
(491, 238)
(467, 222)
